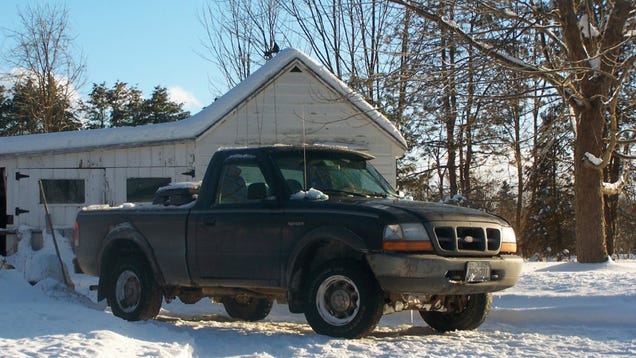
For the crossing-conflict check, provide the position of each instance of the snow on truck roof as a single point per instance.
(196, 124)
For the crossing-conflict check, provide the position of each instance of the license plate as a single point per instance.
(477, 271)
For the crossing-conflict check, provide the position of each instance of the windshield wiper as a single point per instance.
(336, 191)
(379, 195)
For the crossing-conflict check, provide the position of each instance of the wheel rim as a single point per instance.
(128, 291)
(338, 300)
(243, 300)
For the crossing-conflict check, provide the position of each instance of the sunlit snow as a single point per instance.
(556, 309)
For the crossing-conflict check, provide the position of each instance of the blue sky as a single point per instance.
(142, 42)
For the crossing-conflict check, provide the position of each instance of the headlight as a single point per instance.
(408, 231)
(508, 234)
(508, 240)
(406, 237)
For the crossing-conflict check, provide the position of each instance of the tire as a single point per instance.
(247, 308)
(471, 316)
(132, 291)
(344, 300)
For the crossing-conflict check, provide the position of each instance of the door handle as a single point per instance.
(210, 222)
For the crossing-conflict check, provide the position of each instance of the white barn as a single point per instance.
(290, 100)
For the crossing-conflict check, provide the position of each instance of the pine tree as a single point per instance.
(5, 107)
(550, 211)
(97, 108)
(159, 108)
(122, 105)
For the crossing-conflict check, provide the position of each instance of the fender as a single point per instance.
(331, 233)
(127, 232)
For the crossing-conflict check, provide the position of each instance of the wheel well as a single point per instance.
(118, 249)
(311, 257)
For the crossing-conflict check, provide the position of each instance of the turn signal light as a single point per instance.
(406, 245)
(508, 247)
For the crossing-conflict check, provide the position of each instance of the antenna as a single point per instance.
(304, 153)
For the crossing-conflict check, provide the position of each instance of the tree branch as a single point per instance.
(509, 61)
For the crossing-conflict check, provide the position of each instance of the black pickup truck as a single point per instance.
(315, 227)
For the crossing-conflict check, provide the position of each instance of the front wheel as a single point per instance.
(132, 292)
(344, 300)
(469, 312)
(247, 308)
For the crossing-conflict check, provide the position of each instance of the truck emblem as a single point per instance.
(469, 239)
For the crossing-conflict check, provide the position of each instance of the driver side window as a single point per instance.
(242, 182)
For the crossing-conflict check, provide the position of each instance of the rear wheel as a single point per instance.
(344, 300)
(469, 312)
(132, 291)
(247, 308)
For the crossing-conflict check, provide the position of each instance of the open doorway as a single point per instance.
(3, 212)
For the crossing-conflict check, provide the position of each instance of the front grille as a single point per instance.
(468, 239)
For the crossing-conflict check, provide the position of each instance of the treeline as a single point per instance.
(122, 105)
(21, 109)
(498, 100)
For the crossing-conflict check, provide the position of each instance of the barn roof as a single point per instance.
(195, 125)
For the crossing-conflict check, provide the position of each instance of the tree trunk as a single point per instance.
(589, 216)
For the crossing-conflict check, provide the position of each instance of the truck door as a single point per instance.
(238, 236)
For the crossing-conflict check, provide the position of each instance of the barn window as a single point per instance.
(143, 189)
(63, 191)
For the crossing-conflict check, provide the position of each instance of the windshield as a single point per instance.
(333, 173)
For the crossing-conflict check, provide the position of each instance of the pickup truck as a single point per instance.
(313, 227)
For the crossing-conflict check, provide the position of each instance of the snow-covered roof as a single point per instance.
(196, 124)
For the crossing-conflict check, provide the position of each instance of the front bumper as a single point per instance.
(435, 275)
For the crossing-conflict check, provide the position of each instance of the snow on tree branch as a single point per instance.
(588, 29)
(615, 187)
(593, 160)
(625, 138)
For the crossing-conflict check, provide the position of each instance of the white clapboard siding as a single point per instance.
(104, 173)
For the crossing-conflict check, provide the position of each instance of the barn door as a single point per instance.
(67, 191)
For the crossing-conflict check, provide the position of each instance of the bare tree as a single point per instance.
(44, 55)
(349, 37)
(238, 34)
(588, 55)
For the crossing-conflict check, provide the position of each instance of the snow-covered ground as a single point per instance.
(557, 309)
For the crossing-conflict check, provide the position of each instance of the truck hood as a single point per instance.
(429, 212)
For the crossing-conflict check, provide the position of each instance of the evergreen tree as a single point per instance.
(505, 202)
(159, 108)
(550, 212)
(21, 117)
(122, 105)
(125, 104)
(5, 108)
(97, 109)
